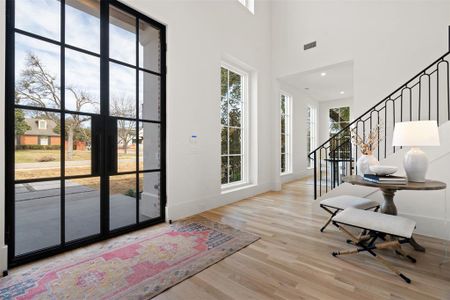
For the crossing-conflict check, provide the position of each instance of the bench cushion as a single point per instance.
(342, 202)
(394, 225)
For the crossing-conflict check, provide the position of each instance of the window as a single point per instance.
(43, 141)
(250, 4)
(311, 133)
(42, 124)
(285, 110)
(339, 119)
(233, 130)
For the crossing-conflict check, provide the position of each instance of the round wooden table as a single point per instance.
(388, 190)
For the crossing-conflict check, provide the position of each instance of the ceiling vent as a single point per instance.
(310, 45)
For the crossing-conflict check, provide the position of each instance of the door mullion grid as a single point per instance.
(137, 121)
(104, 112)
(63, 125)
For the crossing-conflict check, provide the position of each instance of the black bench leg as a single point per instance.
(329, 220)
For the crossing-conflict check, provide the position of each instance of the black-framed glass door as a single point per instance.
(85, 134)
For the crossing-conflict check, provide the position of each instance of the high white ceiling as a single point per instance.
(338, 78)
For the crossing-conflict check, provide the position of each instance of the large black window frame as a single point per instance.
(101, 166)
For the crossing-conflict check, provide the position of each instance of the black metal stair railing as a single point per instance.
(425, 96)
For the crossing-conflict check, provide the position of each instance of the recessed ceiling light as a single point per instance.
(342, 92)
(323, 74)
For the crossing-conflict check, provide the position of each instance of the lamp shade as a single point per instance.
(416, 133)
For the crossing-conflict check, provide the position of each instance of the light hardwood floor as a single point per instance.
(292, 259)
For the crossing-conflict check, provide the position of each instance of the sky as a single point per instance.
(82, 70)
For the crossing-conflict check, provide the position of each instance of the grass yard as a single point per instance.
(119, 184)
(34, 156)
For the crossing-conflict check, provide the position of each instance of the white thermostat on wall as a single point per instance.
(193, 138)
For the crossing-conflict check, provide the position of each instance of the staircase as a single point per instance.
(426, 96)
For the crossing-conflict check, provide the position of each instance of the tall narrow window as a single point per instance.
(311, 132)
(339, 119)
(233, 121)
(285, 110)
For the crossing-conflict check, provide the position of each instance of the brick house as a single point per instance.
(42, 133)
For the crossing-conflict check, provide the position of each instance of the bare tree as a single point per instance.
(126, 130)
(38, 87)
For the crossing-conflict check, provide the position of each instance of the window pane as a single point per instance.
(235, 168)
(345, 113)
(149, 196)
(82, 82)
(149, 146)
(78, 145)
(224, 82)
(126, 145)
(235, 112)
(82, 198)
(283, 143)
(224, 140)
(37, 216)
(41, 17)
(122, 190)
(234, 87)
(122, 91)
(283, 163)
(283, 123)
(235, 141)
(38, 149)
(224, 168)
(149, 96)
(149, 47)
(37, 72)
(334, 115)
(283, 104)
(83, 24)
(224, 111)
(122, 36)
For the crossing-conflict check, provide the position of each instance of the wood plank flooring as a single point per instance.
(292, 259)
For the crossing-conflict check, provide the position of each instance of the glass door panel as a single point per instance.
(82, 198)
(127, 140)
(149, 146)
(122, 200)
(37, 216)
(37, 144)
(149, 196)
(78, 145)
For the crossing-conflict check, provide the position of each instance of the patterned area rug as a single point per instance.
(139, 265)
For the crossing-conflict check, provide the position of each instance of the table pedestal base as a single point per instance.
(388, 206)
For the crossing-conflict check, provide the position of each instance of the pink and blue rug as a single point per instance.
(139, 265)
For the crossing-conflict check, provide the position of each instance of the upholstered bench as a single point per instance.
(334, 205)
(378, 225)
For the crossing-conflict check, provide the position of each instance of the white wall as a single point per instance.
(199, 35)
(388, 41)
(300, 102)
(324, 112)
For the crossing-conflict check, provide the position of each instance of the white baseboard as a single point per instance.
(186, 209)
(286, 178)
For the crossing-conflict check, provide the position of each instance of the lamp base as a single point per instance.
(416, 165)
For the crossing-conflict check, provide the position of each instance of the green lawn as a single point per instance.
(31, 156)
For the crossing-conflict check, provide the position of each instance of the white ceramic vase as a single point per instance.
(364, 162)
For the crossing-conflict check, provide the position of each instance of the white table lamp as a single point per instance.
(414, 134)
